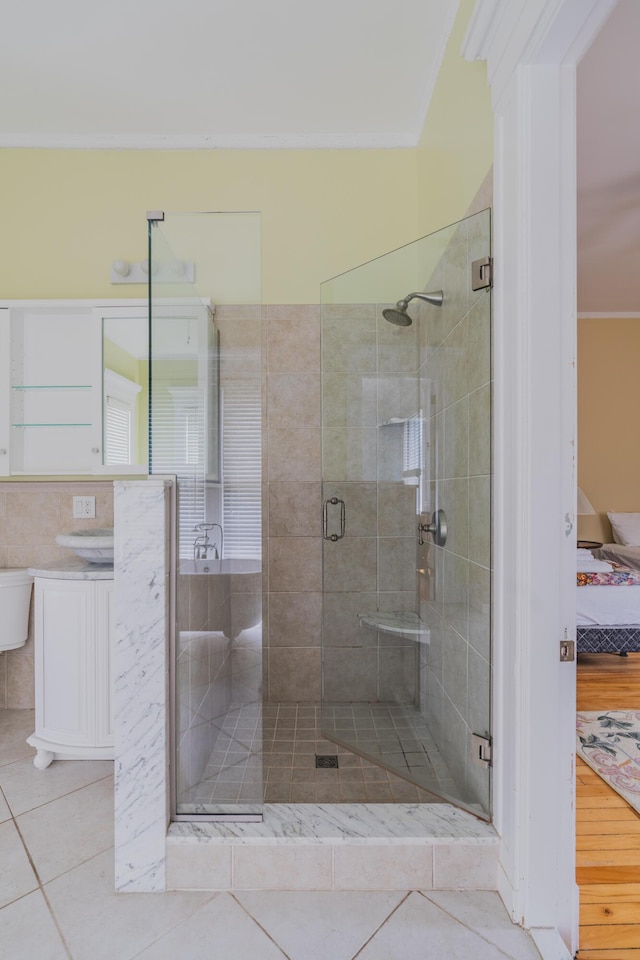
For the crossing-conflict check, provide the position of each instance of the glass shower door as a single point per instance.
(406, 521)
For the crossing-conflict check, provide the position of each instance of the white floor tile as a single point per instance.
(25, 787)
(64, 833)
(5, 813)
(15, 727)
(29, 932)
(484, 912)
(419, 930)
(99, 924)
(320, 925)
(16, 875)
(220, 928)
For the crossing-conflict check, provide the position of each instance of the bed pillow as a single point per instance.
(626, 528)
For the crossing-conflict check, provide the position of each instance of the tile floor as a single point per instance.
(57, 900)
(282, 745)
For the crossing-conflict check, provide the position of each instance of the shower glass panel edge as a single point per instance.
(406, 434)
(197, 262)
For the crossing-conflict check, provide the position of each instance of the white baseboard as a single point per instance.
(550, 944)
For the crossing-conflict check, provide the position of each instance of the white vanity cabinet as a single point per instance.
(73, 667)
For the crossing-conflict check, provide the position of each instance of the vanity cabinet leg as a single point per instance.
(42, 759)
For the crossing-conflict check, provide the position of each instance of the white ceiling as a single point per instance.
(608, 147)
(228, 73)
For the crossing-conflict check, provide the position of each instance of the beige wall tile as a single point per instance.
(295, 619)
(460, 866)
(350, 674)
(348, 343)
(198, 866)
(371, 867)
(294, 673)
(293, 400)
(294, 453)
(282, 867)
(480, 431)
(293, 311)
(295, 564)
(294, 343)
(294, 509)
(3, 681)
(351, 565)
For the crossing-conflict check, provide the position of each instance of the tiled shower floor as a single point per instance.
(292, 738)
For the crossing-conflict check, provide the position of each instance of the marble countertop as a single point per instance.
(74, 569)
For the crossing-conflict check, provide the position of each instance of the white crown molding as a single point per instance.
(507, 33)
(316, 141)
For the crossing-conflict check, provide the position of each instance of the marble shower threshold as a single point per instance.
(337, 847)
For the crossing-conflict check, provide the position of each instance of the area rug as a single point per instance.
(610, 743)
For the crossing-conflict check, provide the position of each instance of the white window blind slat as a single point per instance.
(242, 468)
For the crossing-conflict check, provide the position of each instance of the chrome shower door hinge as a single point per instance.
(481, 750)
(481, 273)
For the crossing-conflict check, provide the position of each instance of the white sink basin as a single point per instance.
(96, 546)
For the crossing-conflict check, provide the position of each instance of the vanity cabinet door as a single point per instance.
(63, 628)
(55, 387)
(73, 669)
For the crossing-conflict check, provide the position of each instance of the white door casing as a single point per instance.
(532, 48)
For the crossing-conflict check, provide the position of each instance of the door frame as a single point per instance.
(532, 48)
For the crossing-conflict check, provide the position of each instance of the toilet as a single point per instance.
(15, 594)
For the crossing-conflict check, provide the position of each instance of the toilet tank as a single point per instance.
(15, 595)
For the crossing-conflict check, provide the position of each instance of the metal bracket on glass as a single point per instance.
(437, 528)
(481, 752)
(482, 273)
(325, 519)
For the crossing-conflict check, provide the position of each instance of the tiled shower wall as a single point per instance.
(283, 342)
(31, 515)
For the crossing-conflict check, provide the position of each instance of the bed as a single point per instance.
(619, 553)
(607, 608)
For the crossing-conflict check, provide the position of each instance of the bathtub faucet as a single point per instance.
(202, 545)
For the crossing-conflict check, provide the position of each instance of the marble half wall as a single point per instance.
(142, 565)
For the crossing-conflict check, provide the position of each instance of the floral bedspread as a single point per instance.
(618, 577)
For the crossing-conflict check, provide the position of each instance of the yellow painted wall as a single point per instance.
(455, 151)
(66, 214)
(608, 439)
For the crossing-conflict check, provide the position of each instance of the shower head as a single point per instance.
(399, 315)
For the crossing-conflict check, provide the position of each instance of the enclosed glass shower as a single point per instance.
(406, 489)
(404, 520)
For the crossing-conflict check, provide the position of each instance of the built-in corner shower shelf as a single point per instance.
(399, 624)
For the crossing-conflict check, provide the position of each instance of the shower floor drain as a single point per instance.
(326, 760)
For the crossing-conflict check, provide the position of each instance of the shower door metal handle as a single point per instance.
(325, 519)
(437, 528)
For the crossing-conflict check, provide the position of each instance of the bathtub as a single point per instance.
(234, 565)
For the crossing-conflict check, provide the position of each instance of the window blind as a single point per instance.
(178, 448)
(117, 431)
(242, 468)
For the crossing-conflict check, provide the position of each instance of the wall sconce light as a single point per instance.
(162, 271)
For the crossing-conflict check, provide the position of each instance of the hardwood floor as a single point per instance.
(608, 829)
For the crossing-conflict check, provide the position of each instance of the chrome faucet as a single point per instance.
(202, 545)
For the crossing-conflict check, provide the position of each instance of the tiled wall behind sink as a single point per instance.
(31, 515)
